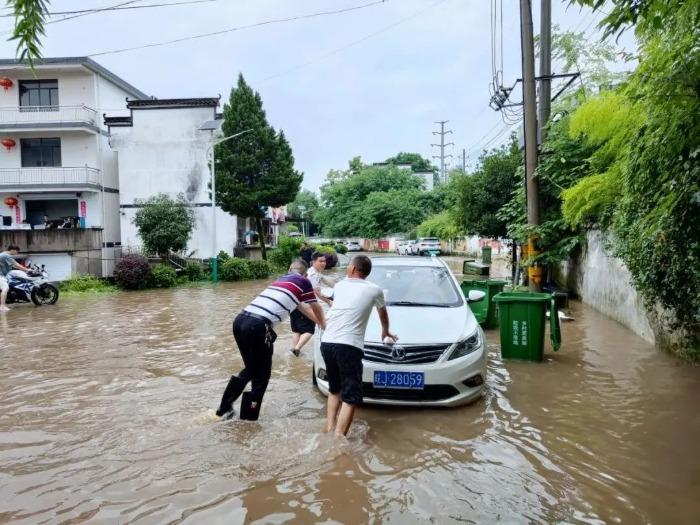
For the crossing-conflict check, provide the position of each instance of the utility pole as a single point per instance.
(530, 128)
(442, 156)
(464, 160)
(545, 102)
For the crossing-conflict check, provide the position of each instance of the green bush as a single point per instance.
(163, 276)
(341, 248)
(286, 251)
(194, 272)
(259, 269)
(234, 269)
(85, 283)
(132, 272)
(223, 257)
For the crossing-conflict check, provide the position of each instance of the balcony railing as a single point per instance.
(25, 116)
(24, 177)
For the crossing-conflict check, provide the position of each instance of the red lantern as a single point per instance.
(11, 201)
(6, 83)
(8, 143)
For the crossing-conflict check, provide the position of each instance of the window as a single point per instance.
(39, 93)
(40, 152)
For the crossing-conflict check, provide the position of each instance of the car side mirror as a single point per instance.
(475, 296)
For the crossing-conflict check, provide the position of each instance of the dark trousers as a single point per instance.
(255, 339)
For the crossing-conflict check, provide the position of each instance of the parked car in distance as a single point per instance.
(427, 246)
(407, 248)
(401, 247)
(294, 234)
(353, 246)
(440, 357)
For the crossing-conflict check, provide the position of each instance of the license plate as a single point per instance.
(408, 380)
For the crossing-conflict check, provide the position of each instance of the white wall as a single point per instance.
(77, 148)
(604, 282)
(75, 88)
(163, 152)
(59, 265)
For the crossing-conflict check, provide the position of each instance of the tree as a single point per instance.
(346, 200)
(417, 162)
(256, 170)
(304, 206)
(30, 17)
(441, 225)
(481, 195)
(164, 224)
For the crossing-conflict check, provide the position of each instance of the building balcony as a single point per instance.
(14, 180)
(41, 118)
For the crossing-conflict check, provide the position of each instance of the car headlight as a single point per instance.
(467, 346)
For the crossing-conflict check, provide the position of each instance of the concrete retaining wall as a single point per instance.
(604, 282)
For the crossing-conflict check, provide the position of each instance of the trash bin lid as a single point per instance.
(518, 297)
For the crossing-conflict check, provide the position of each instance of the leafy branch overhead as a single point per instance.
(30, 18)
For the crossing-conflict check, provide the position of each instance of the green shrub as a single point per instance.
(259, 269)
(341, 248)
(286, 251)
(85, 283)
(194, 272)
(234, 269)
(163, 276)
(223, 257)
(132, 272)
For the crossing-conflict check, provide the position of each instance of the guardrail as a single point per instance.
(50, 176)
(47, 115)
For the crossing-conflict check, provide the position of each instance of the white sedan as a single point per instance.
(353, 246)
(440, 357)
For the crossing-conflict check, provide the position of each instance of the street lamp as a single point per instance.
(302, 210)
(210, 154)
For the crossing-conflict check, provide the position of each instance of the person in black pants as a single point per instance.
(254, 332)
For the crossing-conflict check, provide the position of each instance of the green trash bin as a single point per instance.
(484, 310)
(521, 319)
(486, 254)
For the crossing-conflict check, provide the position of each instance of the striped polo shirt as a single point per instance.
(278, 300)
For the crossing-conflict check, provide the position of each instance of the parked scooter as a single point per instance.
(33, 286)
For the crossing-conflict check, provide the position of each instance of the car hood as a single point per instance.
(424, 325)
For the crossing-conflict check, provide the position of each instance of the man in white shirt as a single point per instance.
(302, 327)
(342, 342)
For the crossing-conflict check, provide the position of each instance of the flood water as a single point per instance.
(104, 399)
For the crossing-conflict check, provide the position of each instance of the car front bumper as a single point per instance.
(444, 382)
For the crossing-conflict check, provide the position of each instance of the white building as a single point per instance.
(56, 162)
(162, 147)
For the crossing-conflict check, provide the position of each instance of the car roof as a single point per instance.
(405, 261)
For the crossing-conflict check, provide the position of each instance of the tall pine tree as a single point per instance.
(255, 170)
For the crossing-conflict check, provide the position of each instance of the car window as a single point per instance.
(418, 285)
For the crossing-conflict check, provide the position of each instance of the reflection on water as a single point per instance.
(104, 418)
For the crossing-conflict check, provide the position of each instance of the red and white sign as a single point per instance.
(83, 209)
(18, 214)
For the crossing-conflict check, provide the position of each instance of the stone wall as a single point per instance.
(604, 282)
(53, 240)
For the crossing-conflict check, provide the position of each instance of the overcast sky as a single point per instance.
(368, 82)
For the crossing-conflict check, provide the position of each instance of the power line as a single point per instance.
(239, 28)
(119, 7)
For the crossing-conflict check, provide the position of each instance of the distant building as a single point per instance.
(56, 162)
(162, 147)
(428, 177)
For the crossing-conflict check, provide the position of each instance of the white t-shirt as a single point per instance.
(353, 300)
(317, 278)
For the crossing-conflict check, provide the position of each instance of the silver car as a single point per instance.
(440, 357)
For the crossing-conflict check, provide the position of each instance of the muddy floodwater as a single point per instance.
(103, 419)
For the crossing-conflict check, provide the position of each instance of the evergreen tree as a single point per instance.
(255, 170)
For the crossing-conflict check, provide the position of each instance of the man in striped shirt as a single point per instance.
(254, 334)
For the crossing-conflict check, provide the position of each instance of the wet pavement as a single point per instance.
(104, 401)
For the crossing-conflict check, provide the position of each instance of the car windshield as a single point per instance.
(416, 285)
(429, 239)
